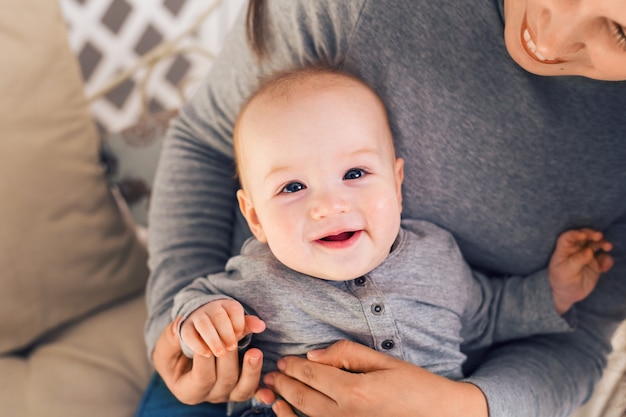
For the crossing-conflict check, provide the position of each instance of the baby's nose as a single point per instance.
(329, 204)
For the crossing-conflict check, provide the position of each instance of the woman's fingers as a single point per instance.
(282, 409)
(250, 376)
(354, 380)
(188, 380)
(334, 375)
(298, 392)
(202, 378)
(351, 356)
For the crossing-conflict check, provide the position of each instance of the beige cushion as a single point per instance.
(609, 396)
(96, 368)
(14, 386)
(65, 250)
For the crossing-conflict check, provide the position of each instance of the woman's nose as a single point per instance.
(559, 32)
(328, 204)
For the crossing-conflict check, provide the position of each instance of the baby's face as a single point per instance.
(322, 183)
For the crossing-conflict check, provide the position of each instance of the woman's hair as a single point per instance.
(256, 22)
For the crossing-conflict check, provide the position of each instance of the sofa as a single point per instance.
(72, 260)
(72, 267)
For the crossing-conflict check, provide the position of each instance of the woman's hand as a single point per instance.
(348, 379)
(205, 379)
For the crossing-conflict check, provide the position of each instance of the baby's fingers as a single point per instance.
(194, 340)
(605, 262)
(212, 336)
(581, 258)
(590, 234)
(228, 326)
(601, 245)
(254, 325)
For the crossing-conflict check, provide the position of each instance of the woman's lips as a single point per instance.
(531, 47)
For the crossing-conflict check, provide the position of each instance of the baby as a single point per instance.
(332, 259)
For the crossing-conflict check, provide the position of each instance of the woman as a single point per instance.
(509, 140)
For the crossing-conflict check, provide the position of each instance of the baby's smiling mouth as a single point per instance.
(340, 240)
(340, 237)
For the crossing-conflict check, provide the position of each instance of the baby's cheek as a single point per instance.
(284, 235)
(384, 206)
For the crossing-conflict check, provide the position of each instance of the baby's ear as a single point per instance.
(399, 174)
(249, 212)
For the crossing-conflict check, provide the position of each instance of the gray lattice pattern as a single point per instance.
(110, 36)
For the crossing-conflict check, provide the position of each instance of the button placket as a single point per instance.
(388, 344)
(380, 319)
(378, 309)
(360, 281)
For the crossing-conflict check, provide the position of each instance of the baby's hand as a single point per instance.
(576, 264)
(216, 327)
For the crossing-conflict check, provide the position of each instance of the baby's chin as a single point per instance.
(338, 274)
(340, 268)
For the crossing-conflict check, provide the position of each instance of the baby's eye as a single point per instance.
(293, 187)
(353, 174)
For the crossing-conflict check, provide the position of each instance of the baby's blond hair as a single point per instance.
(282, 85)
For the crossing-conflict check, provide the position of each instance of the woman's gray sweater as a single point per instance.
(503, 159)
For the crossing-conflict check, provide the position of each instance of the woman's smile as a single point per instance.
(531, 48)
(567, 37)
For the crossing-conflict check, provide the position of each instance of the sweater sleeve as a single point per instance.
(504, 309)
(189, 299)
(195, 224)
(552, 375)
(192, 219)
(192, 209)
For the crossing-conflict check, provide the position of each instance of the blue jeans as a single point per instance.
(158, 401)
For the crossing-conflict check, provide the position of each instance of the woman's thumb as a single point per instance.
(351, 356)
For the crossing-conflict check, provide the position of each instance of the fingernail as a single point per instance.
(259, 398)
(281, 364)
(269, 380)
(312, 354)
(253, 360)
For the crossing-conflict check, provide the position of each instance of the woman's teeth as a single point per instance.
(532, 47)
